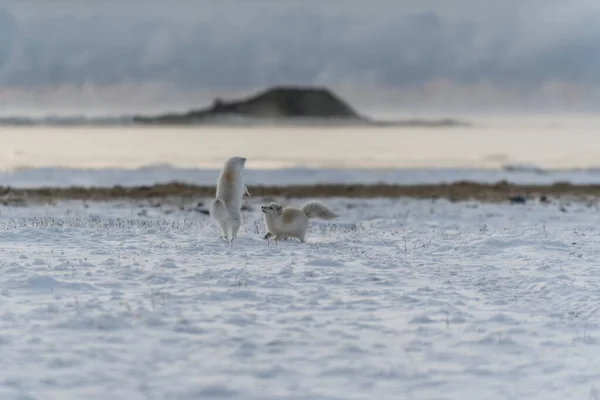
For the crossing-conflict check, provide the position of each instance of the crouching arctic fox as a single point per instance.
(290, 222)
(226, 208)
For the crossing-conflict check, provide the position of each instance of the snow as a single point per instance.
(395, 299)
(152, 174)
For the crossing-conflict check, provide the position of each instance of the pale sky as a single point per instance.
(443, 54)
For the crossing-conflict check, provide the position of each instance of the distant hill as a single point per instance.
(281, 104)
(273, 103)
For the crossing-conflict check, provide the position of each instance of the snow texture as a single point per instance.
(151, 174)
(395, 299)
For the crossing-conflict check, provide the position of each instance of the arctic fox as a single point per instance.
(282, 223)
(226, 208)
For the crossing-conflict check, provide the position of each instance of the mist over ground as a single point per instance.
(131, 56)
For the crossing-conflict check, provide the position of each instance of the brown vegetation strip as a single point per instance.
(457, 191)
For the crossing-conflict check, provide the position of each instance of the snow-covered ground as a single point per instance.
(396, 299)
(523, 174)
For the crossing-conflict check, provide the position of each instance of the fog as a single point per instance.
(412, 55)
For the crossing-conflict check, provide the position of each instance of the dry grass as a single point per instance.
(457, 191)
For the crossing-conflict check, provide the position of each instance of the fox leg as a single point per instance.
(235, 224)
(223, 226)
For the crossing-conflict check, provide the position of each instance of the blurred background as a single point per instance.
(522, 74)
(438, 56)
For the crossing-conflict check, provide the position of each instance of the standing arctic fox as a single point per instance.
(226, 208)
(282, 223)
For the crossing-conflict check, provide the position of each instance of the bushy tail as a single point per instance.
(316, 209)
(218, 210)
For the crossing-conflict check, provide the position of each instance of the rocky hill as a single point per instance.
(273, 103)
(284, 104)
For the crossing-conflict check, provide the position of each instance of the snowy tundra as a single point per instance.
(395, 299)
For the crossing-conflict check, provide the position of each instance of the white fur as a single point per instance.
(226, 208)
(282, 223)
